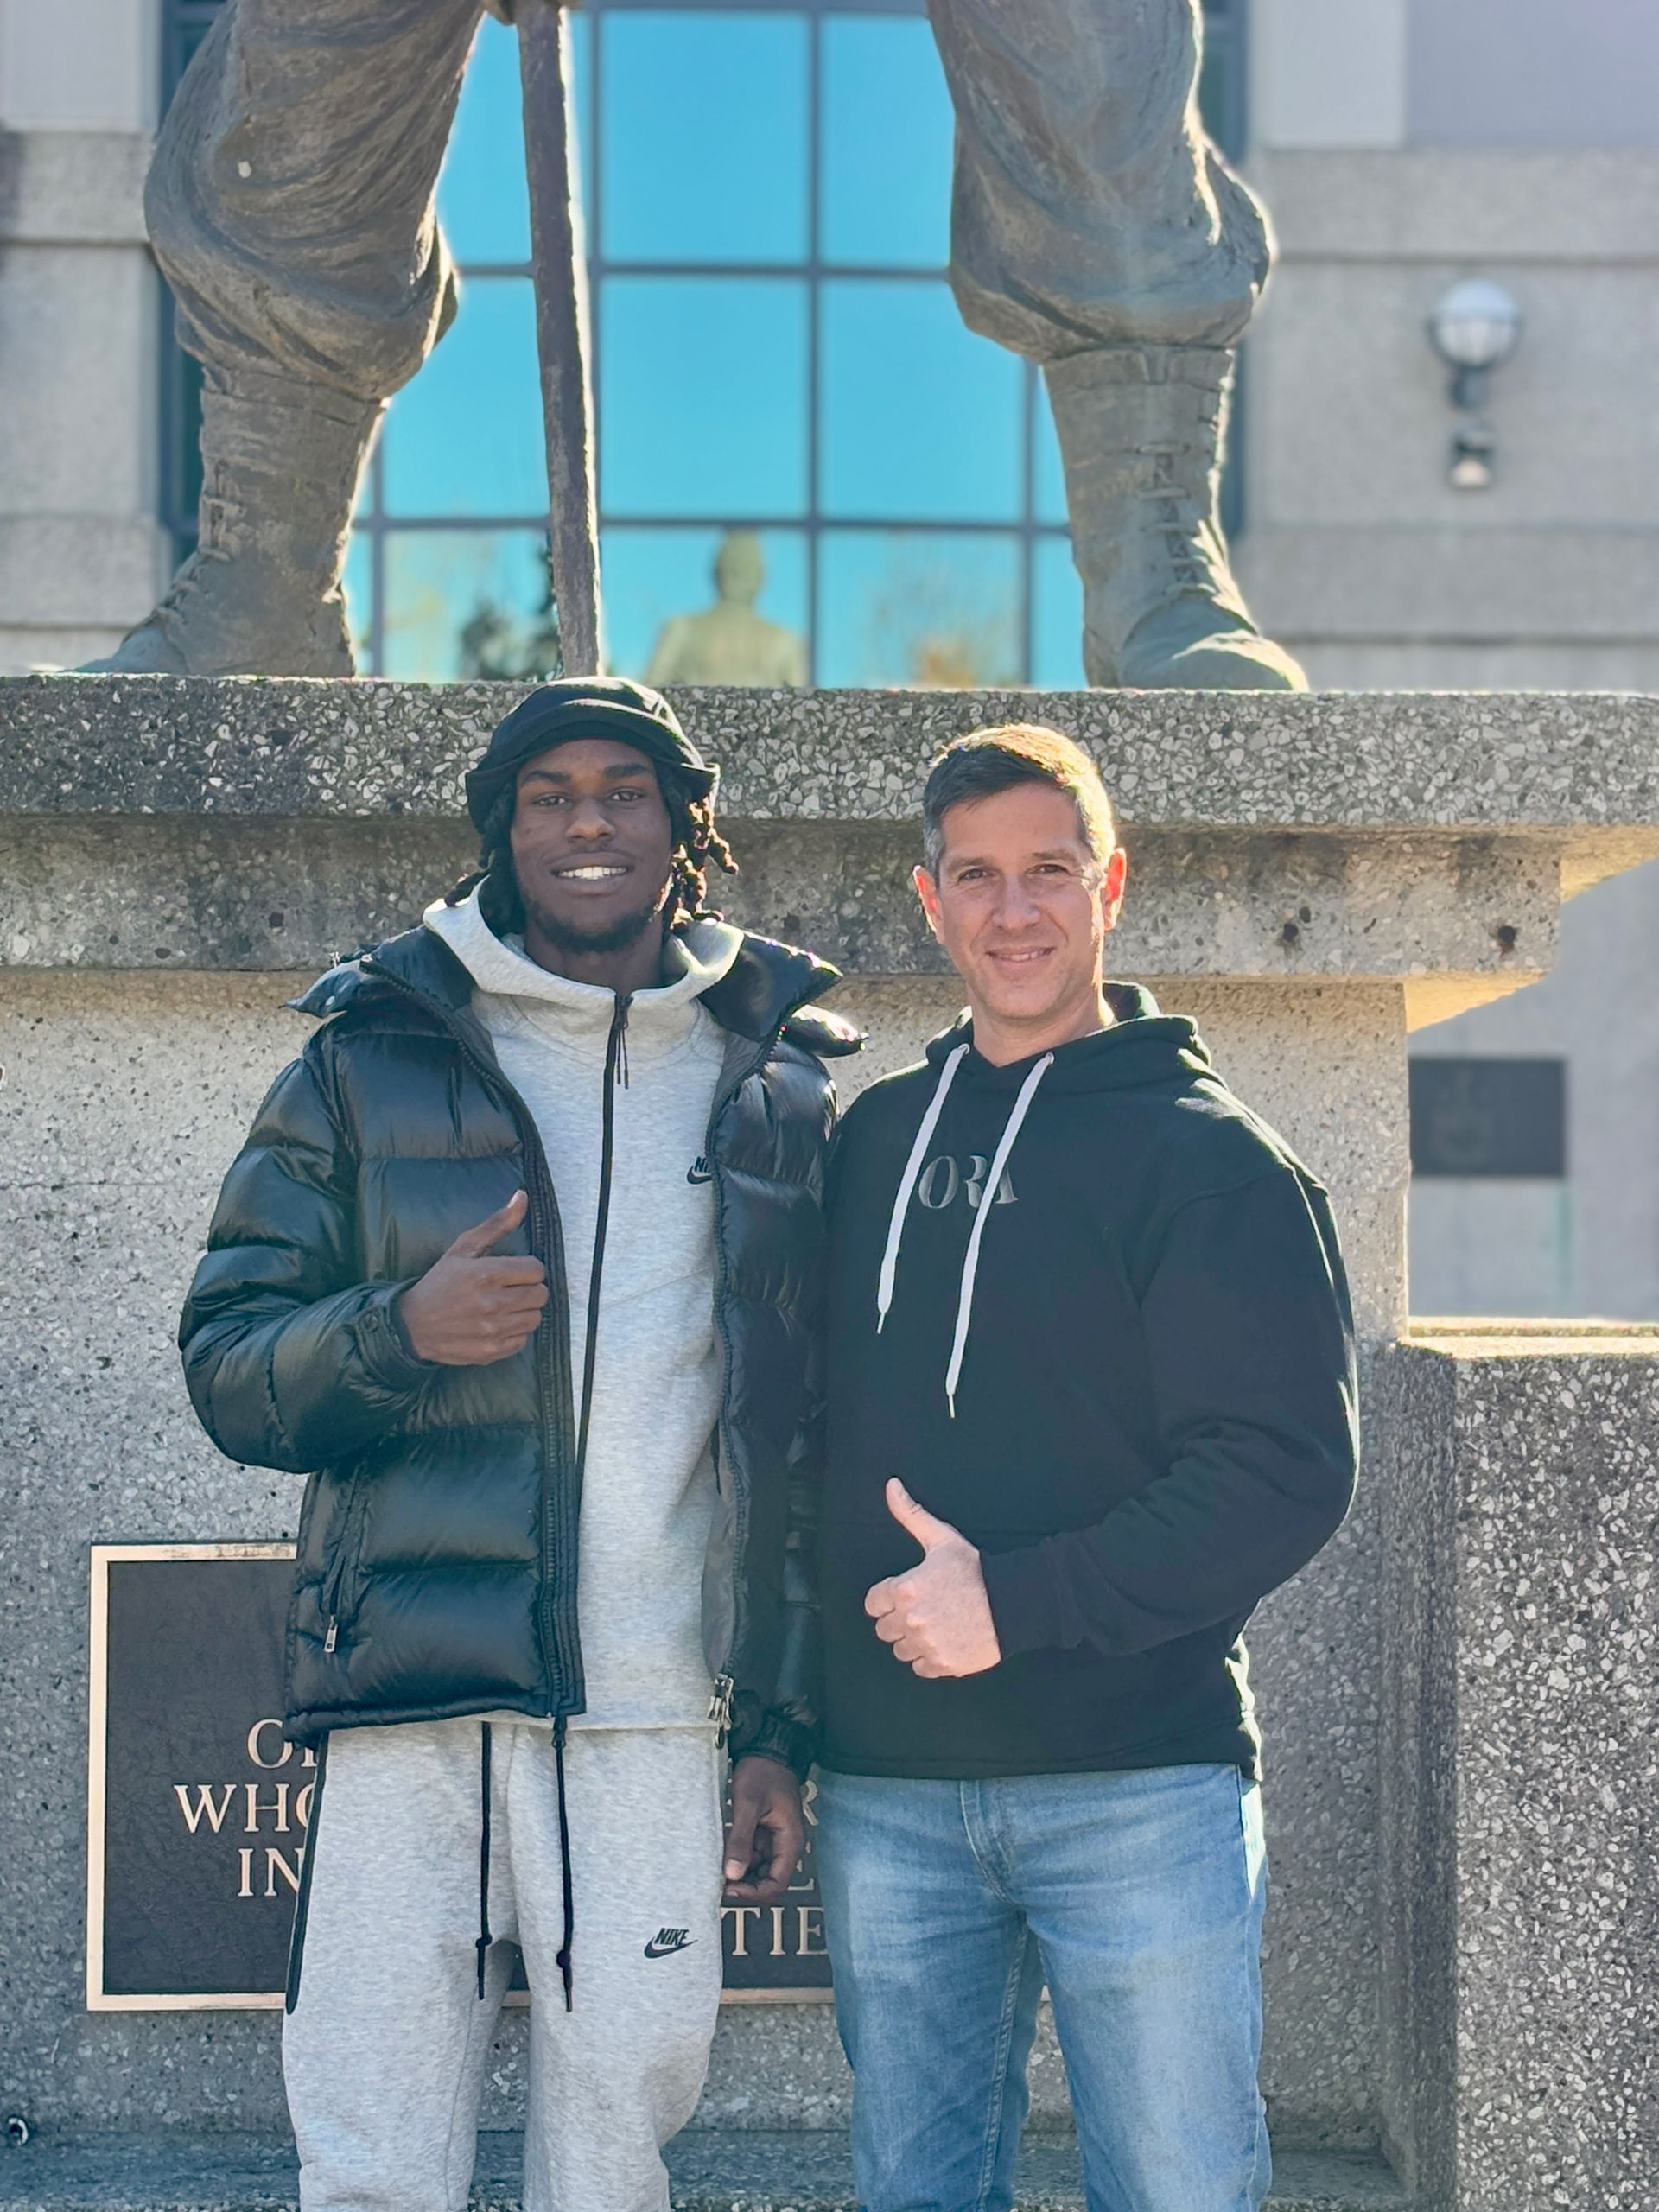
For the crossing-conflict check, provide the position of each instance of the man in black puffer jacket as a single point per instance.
(521, 1264)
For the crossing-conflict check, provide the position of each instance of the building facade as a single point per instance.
(777, 353)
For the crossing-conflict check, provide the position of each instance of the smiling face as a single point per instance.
(1022, 906)
(592, 846)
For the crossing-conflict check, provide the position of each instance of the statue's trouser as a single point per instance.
(290, 205)
(1096, 231)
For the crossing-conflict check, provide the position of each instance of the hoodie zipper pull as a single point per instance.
(333, 1636)
(720, 1709)
(617, 1051)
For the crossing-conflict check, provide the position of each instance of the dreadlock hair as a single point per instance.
(697, 843)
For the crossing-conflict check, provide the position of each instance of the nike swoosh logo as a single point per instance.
(699, 1172)
(656, 1950)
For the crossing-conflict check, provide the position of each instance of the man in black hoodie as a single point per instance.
(1091, 1397)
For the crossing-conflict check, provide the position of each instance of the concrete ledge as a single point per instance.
(112, 562)
(1471, 1337)
(1424, 839)
(73, 187)
(170, 892)
(736, 2171)
(1435, 585)
(1594, 204)
(1583, 764)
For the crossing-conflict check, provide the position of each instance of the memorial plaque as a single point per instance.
(197, 1808)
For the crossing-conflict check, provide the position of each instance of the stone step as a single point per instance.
(714, 2170)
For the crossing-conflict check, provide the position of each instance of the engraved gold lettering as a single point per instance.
(810, 1918)
(278, 1806)
(284, 1751)
(739, 1915)
(276, 1864)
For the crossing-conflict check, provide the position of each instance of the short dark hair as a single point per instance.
(988, 761)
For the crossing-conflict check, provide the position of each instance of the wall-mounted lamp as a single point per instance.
(1475, 329)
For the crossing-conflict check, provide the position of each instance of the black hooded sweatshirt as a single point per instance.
(1149, 1422)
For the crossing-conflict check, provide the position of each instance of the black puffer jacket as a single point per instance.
(436, 1565)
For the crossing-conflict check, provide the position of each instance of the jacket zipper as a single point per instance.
(334, 1591)
(615, 1059)
(559, 1638)
(720, 1708)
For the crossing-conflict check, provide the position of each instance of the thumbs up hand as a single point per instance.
(937, 1617)
(468, 1310)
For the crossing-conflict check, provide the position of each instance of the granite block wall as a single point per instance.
(1520, 1770)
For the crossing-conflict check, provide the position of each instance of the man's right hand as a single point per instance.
(468, 1310)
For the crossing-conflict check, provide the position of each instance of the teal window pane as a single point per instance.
(704, 136)
(930, 608)
(464, 437)
(1048, 476)
(483, 202)
(655, 578)
(466, 602)
(360, 599)
(702, 396)
(885, 143)
(1055, 617)
(920, 419)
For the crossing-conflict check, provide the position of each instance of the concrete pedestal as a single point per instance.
(1310, 878)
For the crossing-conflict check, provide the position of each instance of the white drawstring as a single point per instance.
(992, 1184)
(907, 1183)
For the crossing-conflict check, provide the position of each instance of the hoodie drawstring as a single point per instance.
(907, 1183)
(911, 1176)
(565, 1948)
(485, 1939)
(992, 1184)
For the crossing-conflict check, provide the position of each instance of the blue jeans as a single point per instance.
(1136, 1897)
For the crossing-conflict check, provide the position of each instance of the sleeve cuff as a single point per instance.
(388, 1358)
(1025, 1605)
(793, 1743)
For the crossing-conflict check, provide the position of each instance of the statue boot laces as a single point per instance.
(261, 594)
(1140, 431)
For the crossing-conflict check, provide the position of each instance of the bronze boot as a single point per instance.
(1141, 430)
(261, 594)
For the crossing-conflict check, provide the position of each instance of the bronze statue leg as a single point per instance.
(1097, 231)
(290, 206)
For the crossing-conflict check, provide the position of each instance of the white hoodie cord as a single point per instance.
(993, 1184)
(907, 1183)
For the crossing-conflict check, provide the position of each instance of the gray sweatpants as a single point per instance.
(290, 203)
(386, 2049)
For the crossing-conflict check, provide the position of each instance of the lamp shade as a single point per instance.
(1475, 325)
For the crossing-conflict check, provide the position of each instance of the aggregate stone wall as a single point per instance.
(124, 1098)
(1522, 1772)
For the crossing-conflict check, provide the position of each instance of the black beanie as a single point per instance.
(583, 706)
